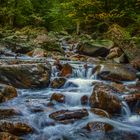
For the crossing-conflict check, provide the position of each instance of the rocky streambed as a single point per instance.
(68, 89)
(67, 100)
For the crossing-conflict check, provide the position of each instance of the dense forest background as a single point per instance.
(71, 15)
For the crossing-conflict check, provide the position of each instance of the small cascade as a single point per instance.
(35, 107)
(80, 83)
(54, 71)
(126, 110)
(79, 71)
(83, 73)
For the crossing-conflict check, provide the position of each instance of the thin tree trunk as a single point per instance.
(78, 27)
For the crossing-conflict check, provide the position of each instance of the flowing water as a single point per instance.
(33, 105)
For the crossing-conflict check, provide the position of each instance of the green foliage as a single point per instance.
(72, 15)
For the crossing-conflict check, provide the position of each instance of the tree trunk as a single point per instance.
(78, 27)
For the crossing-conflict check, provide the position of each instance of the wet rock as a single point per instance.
(132, 97)
(84, 100)
(50, 104)
(66, 70)
(92, 50)
(58, 97)
(99, 126)
(120, 87)
(38, 52)
(135, 86)
(16, 128)
(7, 93)
(25, 75)
(105, 97)
(133, 101)
(117, 73)
(8, 112)
(36, 109)
(8, 136)
(100, 112)
(57, 82)
(69, 116)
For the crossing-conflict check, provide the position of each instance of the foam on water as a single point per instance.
(79, 84)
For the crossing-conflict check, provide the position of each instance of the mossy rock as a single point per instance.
(52, 46)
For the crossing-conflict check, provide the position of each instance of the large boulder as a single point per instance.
(25, 75)
(116, 73)
(17, 128)
(68, 116)
(7, 93)
(92, 50)
(105, 97)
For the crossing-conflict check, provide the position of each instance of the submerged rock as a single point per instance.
(58, 97)
(16, 128)
(7, 93)
(117, 73)
(57, 82)
(98, 126)
(8, 136)
(69, 116)
(104, 97)
(84, 100)
(25, 75)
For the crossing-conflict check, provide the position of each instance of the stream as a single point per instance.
(33, 104)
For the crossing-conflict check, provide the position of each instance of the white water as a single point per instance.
(79, 84)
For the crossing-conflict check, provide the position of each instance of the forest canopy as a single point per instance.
(89, 15)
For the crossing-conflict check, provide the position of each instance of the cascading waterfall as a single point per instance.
(81, 82)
